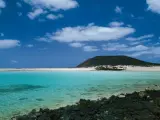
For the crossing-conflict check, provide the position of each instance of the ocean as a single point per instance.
(20, 92)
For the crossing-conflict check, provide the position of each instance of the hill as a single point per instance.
(114, 60)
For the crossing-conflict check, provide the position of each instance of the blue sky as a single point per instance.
(63, 33)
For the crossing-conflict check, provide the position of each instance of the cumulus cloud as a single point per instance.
(53, 4)
(8, 43)
(90, 48)
(37, 12)
(140, 38)
(76, 45)
(2, 4)
(154, 6)
(54, 17)
(90, 32)
(118, 9)
(49, 6)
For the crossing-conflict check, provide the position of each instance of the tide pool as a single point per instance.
(21, 92)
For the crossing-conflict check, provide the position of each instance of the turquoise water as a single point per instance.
(22, 91)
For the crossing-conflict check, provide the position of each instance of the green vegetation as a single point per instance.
(115, 60)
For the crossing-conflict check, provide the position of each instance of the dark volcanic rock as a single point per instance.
(143, 105)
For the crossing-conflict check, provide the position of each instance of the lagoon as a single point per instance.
(20, 92)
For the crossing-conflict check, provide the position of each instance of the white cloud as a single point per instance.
(88, 33)
(53, 4)
(29, 45)
(14, 61)
(139, 42)
(43, 39)
(2, 4)
(114, 47)
(1, 34)
(76, 45)
(116, 24)
(123, 47)
(154, 5)
(90, 48)
(135, 43)
(47, 6)
(135, 51)
(138, 48)
(154, 51)
(140, 38)
(8, 43)
(54, 17)
(137, 54)
(36, 13)
(118, 9)
(19, 4)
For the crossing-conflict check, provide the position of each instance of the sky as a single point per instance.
(64, 33)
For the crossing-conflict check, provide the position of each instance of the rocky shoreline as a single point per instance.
(144, 105)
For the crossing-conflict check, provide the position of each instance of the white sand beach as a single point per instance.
(138, 68)
(47, 69)
(128, 68)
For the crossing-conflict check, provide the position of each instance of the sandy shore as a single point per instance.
(138, 68)
(128, 68)
(47, 69)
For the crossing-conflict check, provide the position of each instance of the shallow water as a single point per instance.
(22, 91)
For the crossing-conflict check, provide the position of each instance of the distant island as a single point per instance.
(115, 61)
(104, 63)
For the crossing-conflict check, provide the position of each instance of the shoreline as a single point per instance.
(128, 68)
(107, 96)
(123, 106)
(45, 69)
(154, 87)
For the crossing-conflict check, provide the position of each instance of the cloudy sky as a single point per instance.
(63, 33)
